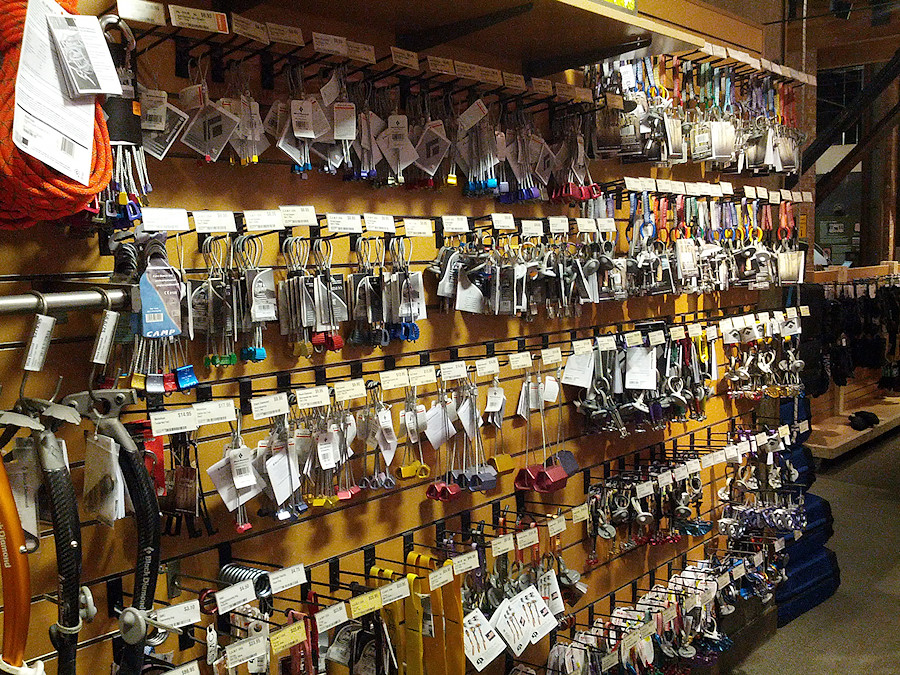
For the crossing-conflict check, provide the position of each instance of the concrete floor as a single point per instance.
(858, 629)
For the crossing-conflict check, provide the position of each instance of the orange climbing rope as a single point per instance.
(30, 191)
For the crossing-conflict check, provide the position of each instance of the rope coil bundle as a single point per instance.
(31, 191)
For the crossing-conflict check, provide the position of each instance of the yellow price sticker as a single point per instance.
(285, 638)
(365, 603)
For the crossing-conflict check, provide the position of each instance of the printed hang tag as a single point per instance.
(210, 130)
(160, 291)
(523, 409)
(438, 426)
(551, 389)
(241, 471)
(326, 450)
(344, 121)
(275, 118)
(548, 585)
(482, 643)
(25, 481)
(579, 371)
(102, 479)
(470, 418)
(263, 305)
(541, 620)
(509, 619)
(302, 118)
(496, 400)
(153, 110)
(39, 344)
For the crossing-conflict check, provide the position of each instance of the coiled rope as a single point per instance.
(30, 191)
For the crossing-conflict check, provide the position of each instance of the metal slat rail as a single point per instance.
(29, 303)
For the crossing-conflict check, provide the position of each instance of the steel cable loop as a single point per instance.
(234, 573)
(32, 191)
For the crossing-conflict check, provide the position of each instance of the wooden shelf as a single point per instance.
(833, 436)
(550, 29)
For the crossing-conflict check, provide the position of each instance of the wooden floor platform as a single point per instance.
(833, 436)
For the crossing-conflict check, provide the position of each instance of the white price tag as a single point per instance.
(520, 360)
(455, 370)
(779, 544)
(330, 44)
(503, 221)
(379, 222)
(313, 397)
(394, 379)
(582, 346)
(405, 58)
(421, 376)
(551, 356)
(634, 339)
(215, 412)
(487, 367)
(442, 576)
(503, 544)
(557, 525)
(264, 407)
(437, 64)
(360, 51)
(665, 479)
(234, 596)
(142, 11)
(527, 538)
(693, 466)
(164, 220)
(191, 667)
(198, 19)
(542, 86)
(455, 224)
(532, 228)
(254, 30)
(176, 616)
(606, 343)
(418, 227)
(677, 333)
(657, 337)
(644, 489)
(348, 390)
(609, 661)
(177, 421)
(586, 225)
(395, 592)
(332, 616)
(465, 562)
(344, 223)
(245, 650)
(299, 216)
(105, 335)
(287, 578)
(263, 220)
(558, 224)
(288, 35)
(514, 81)
(580, 513)
(214, 222)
